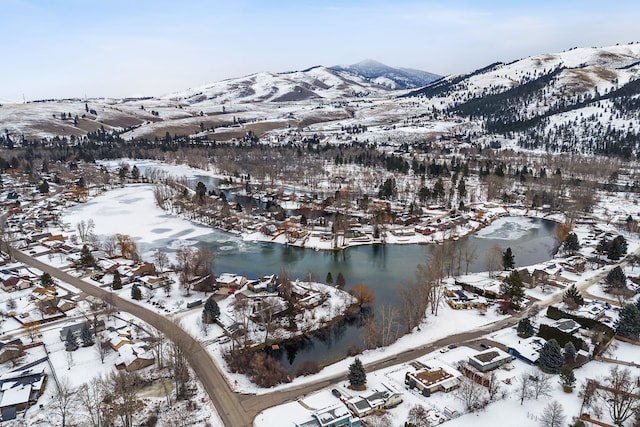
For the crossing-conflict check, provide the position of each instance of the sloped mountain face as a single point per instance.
(392, 78)
(316, 82)
(583, 100)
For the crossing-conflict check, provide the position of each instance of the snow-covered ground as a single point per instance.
(132, 210)
(506, 410)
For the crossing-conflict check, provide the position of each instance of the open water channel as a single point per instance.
(382, 268)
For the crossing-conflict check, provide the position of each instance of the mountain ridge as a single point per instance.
(393, 78)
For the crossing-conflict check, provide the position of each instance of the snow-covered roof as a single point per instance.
(15, 396)
(129, 353)
(489, 356)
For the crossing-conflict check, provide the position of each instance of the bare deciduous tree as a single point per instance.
(620, 394)
(269, 307)
(64, 400)
(540, 384)
(553, 415)
(90, 397)
(430, 274)
(157, 341)
(102, 348)
(122, 398)
(418, 416)
(493, 259)
(110, 245)
(161, 261)
(523, 389)
(186, 257)
(470, 393)
(413, 302)
(179, 369)
(493, 385)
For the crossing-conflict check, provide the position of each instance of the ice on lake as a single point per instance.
(511, 228)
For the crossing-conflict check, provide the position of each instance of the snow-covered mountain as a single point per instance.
(383, 75)
(584, 100)
(313, 83)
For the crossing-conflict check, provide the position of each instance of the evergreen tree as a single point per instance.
(388, 189)
(508, 260)
(340, 282)
(525, 328)
(136, 293)
(572, 297)
(201, 192)
(86, 257)
(357, 376)
(551, 359)
(622, 243)
(86, 335)
(462, 189)
(116, 284)
(43, 187)
(70, 341)
(329, 279)
(513, 289)
(628, 324)
(603, 246)
(211, 310)
(291, 315)
(567, 377)
(616, 279)
(571, 243)
(569, 350)
(617, 248)
(46, 280)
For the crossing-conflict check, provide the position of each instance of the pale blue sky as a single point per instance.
(69, 48)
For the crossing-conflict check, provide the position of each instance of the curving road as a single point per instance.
(225, 400)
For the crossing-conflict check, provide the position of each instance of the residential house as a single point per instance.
(575, 264)
(380, 396)
(532, 279)
(143, 270)
(46, 298)
(107, 265)
(431, 379)
(593, 309)
(267, 284)
(18, 390)
(117, 340)
(333, 416)
(231, 281)
(65, 305)
(460, 299)
(278, 308)
(569, 326)
(14, 283)
(132, 357)
(527, 349)
(155, 282)
(11, 350)
(74, 328)
(489, 359)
